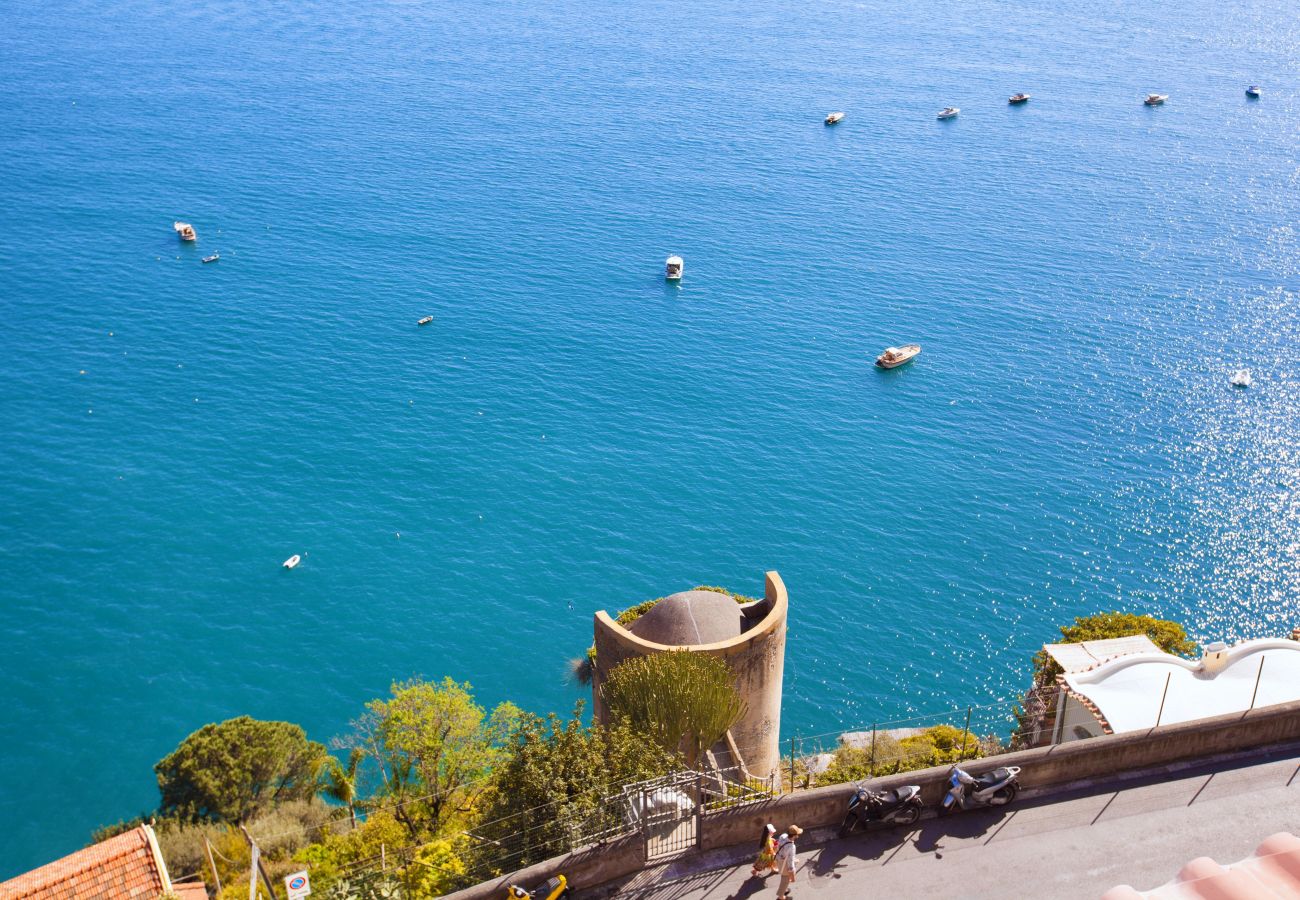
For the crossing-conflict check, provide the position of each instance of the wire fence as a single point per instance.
(666, 812)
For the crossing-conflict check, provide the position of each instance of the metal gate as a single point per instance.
(667, 811)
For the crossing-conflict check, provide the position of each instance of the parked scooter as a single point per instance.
(897, 807)
(966, 791)
(553, 889)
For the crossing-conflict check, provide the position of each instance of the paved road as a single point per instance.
(1072, 845)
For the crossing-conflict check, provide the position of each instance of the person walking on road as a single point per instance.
(785, 861)
(766, 862)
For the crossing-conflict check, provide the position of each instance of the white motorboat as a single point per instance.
(1155, 99)
(1241, 378)
(213, 258)
(292, 562)
(1018, 98)
(425, 321)
(185, 230)
(834, 117)
(948, 112)
(673, 268)
(1253, 92)
(893, 357)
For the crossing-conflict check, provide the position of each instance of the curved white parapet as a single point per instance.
(1129, 691)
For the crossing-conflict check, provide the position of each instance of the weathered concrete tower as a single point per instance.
(750, 637)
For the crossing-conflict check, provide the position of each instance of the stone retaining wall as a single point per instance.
(1042, 767)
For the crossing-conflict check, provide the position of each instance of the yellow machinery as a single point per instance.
(553, 889)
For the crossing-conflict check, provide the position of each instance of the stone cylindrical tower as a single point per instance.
(750, 637)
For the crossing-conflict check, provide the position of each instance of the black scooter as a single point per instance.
(896, 807)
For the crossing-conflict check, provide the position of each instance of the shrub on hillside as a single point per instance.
(935, 746)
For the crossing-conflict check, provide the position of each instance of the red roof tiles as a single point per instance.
(121, 868)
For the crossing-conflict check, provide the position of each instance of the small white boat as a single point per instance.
(425, 321)
(1155, 99)
(893, 357)
(213, 258)
(292, 562)
(948, 112)
(673, 268)
(185, 230)
(1253, 91)
(1241, 378)
(834, 117)
(1018, 98)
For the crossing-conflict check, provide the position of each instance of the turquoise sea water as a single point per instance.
(572, 433)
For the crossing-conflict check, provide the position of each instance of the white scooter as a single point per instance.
(966, 791)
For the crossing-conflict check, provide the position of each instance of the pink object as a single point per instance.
(1272, 873)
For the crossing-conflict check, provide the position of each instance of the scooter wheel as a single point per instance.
(909, 816)
(947, 809)
(1005, 795)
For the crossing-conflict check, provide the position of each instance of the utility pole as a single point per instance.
(256, 868)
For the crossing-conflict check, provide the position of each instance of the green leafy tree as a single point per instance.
(233, 770)
(337, 859)
(681, 700)
(339, 781)
(1165, 634)
(552, 791)
(436, 746)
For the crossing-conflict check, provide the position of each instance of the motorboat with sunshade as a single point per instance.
(893, 357)
(673, 268)
(948, 112)
(185, 230)
(1155, 99)
(834, 117)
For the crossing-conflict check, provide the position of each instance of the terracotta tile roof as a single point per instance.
(124, 867)
(189, 890)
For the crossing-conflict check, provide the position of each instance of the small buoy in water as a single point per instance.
(83, 371)
(292, 561)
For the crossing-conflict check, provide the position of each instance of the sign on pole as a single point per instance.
(298, 885)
